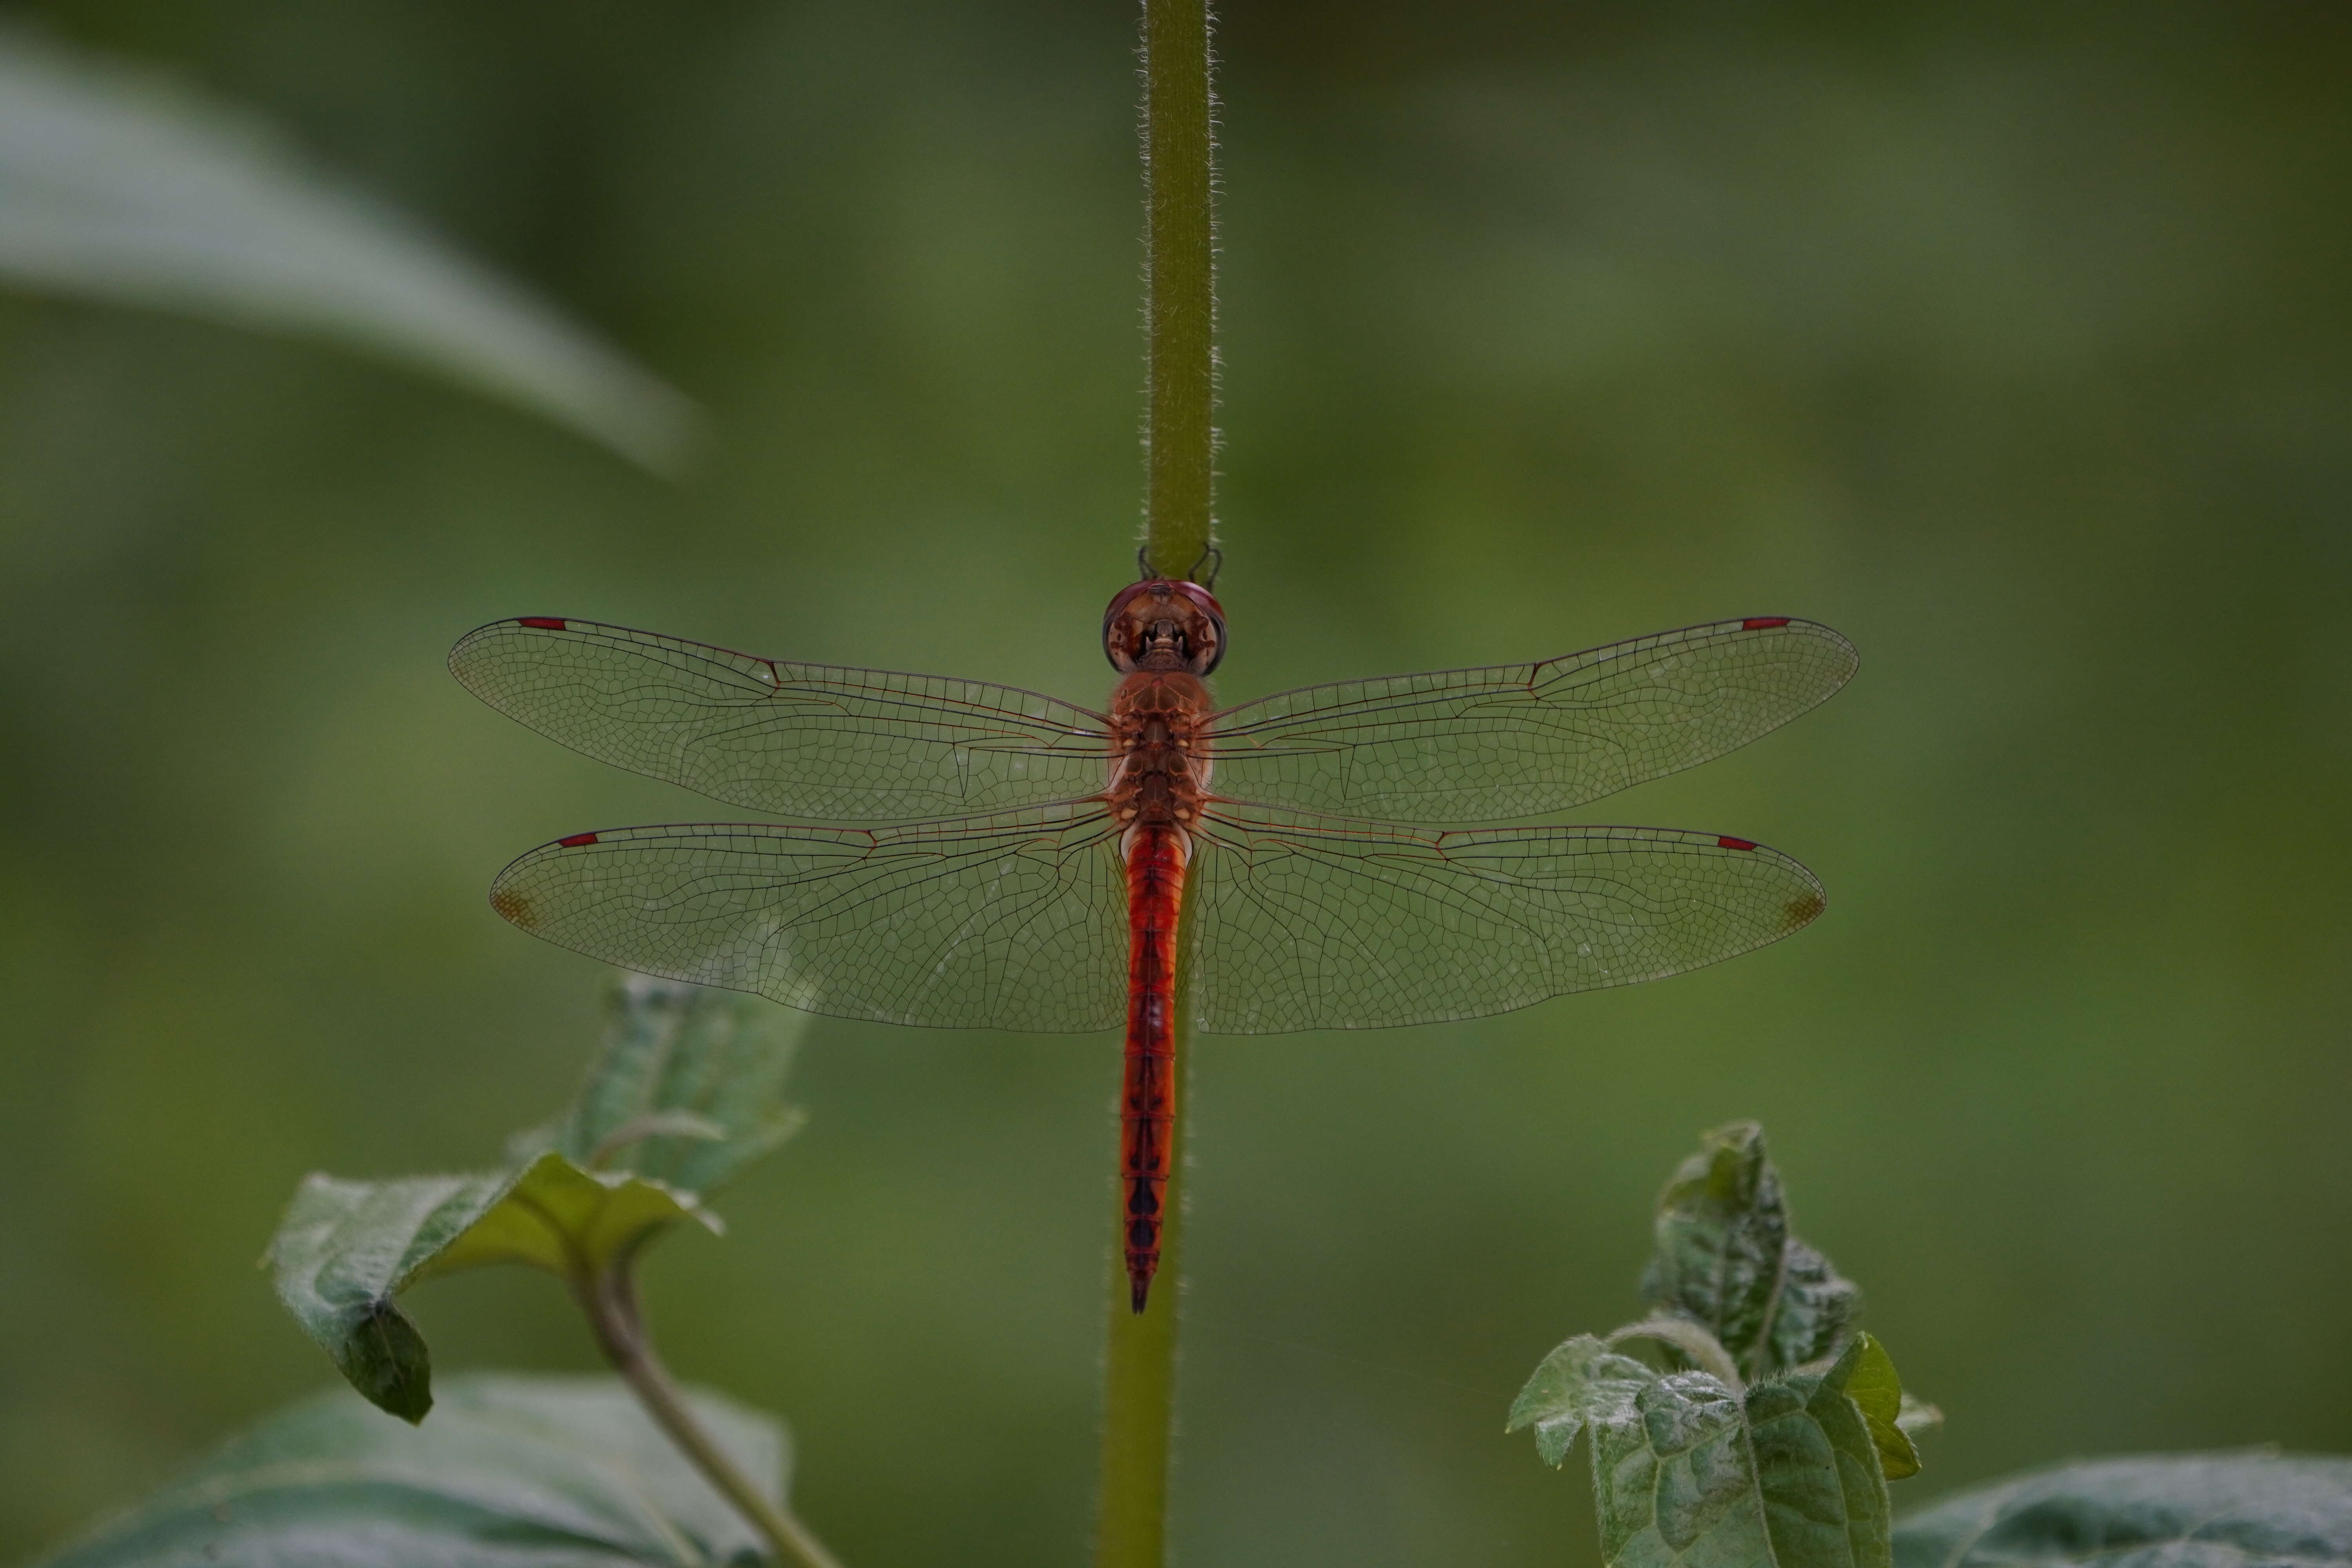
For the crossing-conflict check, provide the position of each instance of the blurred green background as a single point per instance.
(2011, 340)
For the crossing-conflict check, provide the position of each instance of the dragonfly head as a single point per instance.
(1162, 624)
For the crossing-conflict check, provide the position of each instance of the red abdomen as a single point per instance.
(1155, 894)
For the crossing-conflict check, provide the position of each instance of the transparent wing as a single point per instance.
(797, 739)
(1480, 745)
(1013, 921)
(1300, 924)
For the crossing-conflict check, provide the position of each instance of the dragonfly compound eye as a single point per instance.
(1204, 639)
(1160, 623)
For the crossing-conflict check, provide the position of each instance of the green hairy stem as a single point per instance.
(1179, 162)
(1140, 1373)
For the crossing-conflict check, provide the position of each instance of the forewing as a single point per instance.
(797, 739)
(1480, 745)
(1012, 921)
(1299, 923)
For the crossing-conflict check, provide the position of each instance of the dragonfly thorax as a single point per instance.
(1159, 731)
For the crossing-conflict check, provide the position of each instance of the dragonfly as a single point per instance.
(964, 854)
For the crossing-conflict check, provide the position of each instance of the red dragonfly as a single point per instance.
(1001, 859)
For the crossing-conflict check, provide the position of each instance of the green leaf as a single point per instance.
(1675, 1486)
(2182, 1510)
(1687, 1474)
(1877, 1392)
(1580, 1383)
(1724, 1259)
(1818, 1464)
(688, 1088)
(119, 186)
(1694, 1477)
(1814, 1312)
(1709, 1468)
(345, 1249)
(685, 1093)
(517, 1472)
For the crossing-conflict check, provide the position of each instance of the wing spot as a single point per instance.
(514, 908)
(581, 841)
(1719, 844)
(1800, 911)
(1763, 623)
(542, 623)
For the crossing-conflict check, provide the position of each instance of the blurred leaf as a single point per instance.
(119, 186)
(2186, 1510)
(1916, 1416)
(517, 1472)
(345, 1249)
(687, 1092)
(1724, 1259)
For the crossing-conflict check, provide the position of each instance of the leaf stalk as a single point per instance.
(609, 1298)
(1693, 1341)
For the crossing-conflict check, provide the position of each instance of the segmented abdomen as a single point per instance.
(1155, 894)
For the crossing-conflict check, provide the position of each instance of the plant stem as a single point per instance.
(1180, 238)
(1180, 442)
(610, 1300)
(1691, 1339)
(1140, 1370)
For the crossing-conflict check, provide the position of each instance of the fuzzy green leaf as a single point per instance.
(120, 185)
(687, 1089)
(345, 1249)
(685, 1093)
(1813, 1313)
(1687, 1474)
(1724, 1259)
(1817, 1463)
(1717, 1466)
(1676, 1485)
(1580, 1383)
(1701, 1478)
(2181, 1510)
(1877, 1392)
(517, 1472)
